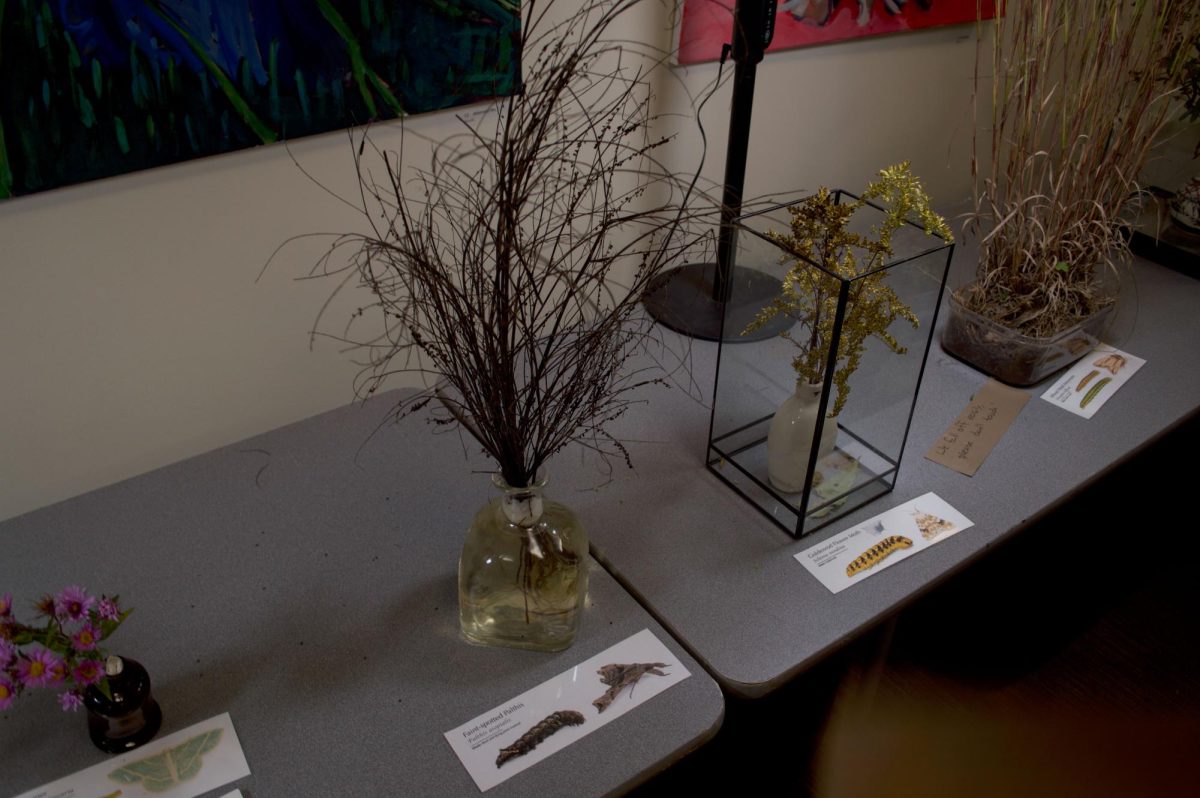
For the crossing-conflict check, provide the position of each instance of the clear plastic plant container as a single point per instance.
(1012, 357)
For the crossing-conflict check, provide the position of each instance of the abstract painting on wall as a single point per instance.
(708, 24)
(94, 88)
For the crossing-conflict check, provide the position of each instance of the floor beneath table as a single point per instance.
(1067, 663)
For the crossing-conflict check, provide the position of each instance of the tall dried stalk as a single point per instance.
(1078, 97)
(1189, 88)
(509, 271)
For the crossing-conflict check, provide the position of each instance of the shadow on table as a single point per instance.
(1066, 662)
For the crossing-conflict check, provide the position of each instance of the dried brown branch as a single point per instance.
(618, 677)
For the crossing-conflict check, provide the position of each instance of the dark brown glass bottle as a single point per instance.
(131, 716)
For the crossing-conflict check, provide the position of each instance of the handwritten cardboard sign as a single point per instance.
(964, 446)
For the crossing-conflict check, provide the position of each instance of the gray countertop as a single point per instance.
(305, 581)
(723, 579)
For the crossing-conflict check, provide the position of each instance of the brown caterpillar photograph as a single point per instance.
(874, 555)
(540, 731)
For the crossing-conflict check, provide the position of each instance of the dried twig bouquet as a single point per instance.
(508, 271)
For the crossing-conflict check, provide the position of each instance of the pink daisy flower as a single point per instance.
(70, 701)
(86, 638)
(87, 672)
(73, 603)
(7, 693)
(108, 609)
(40, 668)
(5, 605)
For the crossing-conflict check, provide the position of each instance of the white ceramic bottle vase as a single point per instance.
(790, 438)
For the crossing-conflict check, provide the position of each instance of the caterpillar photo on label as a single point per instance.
(874, 555)
(1095, 389)
(540, 731)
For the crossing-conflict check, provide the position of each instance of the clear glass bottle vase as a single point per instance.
(522, 575)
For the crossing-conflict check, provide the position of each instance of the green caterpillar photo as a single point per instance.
(1095, 389)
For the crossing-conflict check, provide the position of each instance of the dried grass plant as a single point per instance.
(1080, 90)
(508, 271)
(1189, 87)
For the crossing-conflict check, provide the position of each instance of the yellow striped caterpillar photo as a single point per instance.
(874, 555)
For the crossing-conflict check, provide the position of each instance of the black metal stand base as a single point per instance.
(681, 300)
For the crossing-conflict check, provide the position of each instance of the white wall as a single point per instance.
(133, 333)
(834, 115)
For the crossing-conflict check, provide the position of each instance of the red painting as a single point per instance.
(708, 24)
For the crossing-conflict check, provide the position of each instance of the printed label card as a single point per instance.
(1090, 383)
(198, 759)
(881, 542)
(964, 446)
(526, 729)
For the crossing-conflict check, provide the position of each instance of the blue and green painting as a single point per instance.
(94, 88)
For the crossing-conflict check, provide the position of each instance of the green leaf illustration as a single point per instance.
(153, 772)
(836, 483)
(162, 771)
(187, 757)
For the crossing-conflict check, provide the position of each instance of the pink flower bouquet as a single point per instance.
(64, 652)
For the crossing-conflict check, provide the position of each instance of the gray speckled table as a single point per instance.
(307, 586)
(723, 579)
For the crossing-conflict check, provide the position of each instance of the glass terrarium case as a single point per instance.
(857, 329)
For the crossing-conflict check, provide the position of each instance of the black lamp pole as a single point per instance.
(695, 298)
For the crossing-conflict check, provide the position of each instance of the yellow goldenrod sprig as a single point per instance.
(809, 295)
